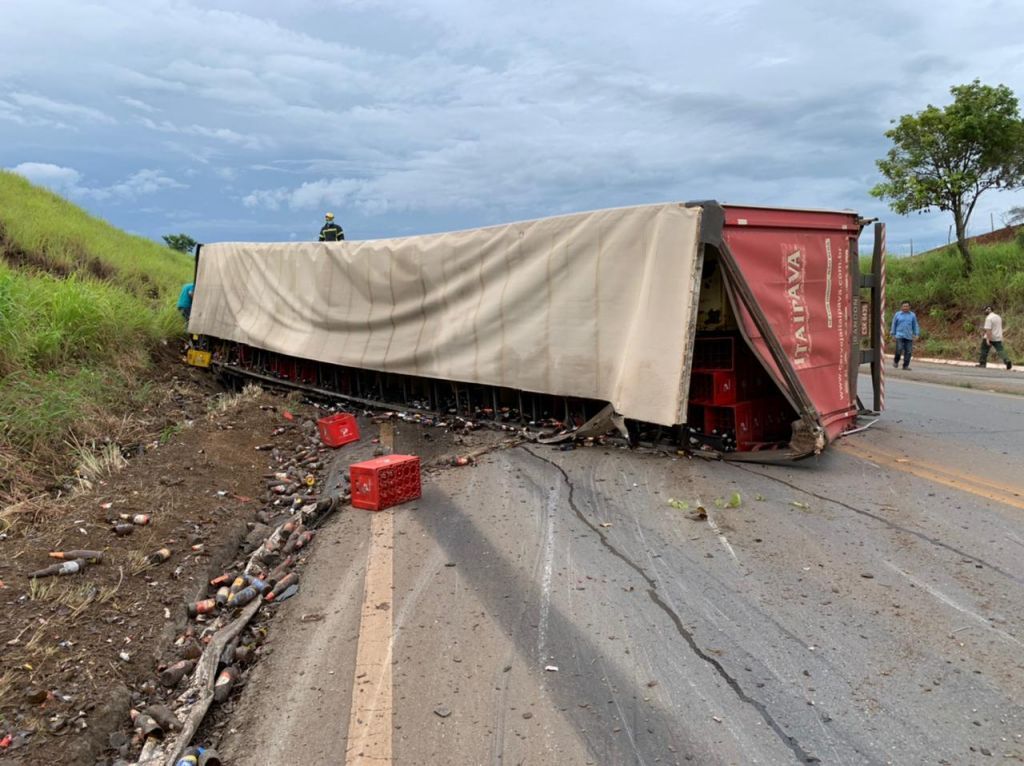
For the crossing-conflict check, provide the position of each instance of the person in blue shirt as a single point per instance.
(185, 300)
(904, 329)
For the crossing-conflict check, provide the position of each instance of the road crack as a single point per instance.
(652, 591)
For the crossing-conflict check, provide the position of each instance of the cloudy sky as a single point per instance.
(232, 120)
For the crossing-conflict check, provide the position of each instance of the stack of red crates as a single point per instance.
(731, 391)
(385, 481)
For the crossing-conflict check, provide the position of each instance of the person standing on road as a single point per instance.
(992, 337)
(904, 329)
(330, 231)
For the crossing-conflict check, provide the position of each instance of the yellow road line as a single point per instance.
(989, 484)
(370, 724)
(1006, 494)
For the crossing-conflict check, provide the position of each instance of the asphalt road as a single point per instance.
(553, 607)
(994, 377)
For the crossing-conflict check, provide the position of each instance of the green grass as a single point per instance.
(949, 306)
(82, 305)
(58, 235)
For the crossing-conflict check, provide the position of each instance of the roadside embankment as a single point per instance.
(83, 306)
(950, 306)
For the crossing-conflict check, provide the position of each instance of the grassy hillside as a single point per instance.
(949, 306)
(82, 304)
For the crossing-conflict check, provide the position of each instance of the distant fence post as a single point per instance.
(878, 317)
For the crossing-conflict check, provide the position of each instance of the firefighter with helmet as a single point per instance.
(330, 231)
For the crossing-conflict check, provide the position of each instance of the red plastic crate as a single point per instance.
(737, 418)
(695, 416)
(338, 429)
(306, 372)
(778, 417)
(385, 481)
(700, 387)
(752, 379)
(714, 353)
(713, 387)
(282, 366)
(770, 423)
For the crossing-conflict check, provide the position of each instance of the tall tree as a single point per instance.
(946, 158)
(181, 242)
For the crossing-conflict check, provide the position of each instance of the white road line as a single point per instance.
(547, 571)
(721, 538)
(940, 596)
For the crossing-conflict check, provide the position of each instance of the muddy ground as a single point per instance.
(79, 650)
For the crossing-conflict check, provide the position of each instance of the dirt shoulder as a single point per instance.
(78, 651)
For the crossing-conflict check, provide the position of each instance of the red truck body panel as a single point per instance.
(797, 264)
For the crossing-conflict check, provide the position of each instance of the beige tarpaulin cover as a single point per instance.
(598, 305)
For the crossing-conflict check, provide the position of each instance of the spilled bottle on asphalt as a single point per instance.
(290, 579)
(189, 758)
(243, 597)
(225, 681)
(59, 570)
(201, 607)
(146, 726)
(170, 675)
(257, 583)
(164, 716)
(160, 556)
(209, 757)
(138, 519)
(280, 571)
(92, 557)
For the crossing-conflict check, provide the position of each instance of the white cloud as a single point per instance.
(250, 141)
(134, 103)
(11, 113)
(64, 110)
(55, 177)
(139, 184)
(68, 181)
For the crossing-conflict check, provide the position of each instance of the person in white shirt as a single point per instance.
(992, 337)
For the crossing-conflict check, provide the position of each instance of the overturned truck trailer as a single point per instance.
(734, 330)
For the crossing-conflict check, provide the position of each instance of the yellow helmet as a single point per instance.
(329, 216)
